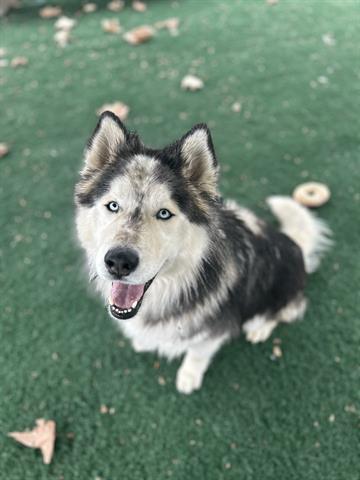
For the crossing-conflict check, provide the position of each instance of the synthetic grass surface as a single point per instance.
(60, 355)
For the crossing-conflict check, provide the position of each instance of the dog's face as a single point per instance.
(142, 212)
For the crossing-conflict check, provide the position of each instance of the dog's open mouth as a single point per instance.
(125, 299)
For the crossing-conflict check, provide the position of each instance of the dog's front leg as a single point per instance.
(195, 363)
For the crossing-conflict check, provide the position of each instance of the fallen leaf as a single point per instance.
(89, 7)
(139, 35)
(192, 83)
(19, 62)
(65, 23)
(118, 108)
(171, 24)
(116, 5)
(62, 38)
(42, 437)
(50, 12)
(139, 6)
(111, 25)
(4, 149)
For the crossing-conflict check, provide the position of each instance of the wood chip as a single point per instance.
(120, 109)
(50, 12)
(139, 6)
(111, 25)
(65, 23)
(19, 62)
(139, 35)
(116, 5)
(192, 83)
(4, 149)
(89, 7)
(42, 437)
(62, 38)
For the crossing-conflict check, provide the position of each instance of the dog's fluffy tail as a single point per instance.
(310, 232)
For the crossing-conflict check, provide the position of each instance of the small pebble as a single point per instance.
(4, 149)
(111, 25)
(236, 107)
(64, 23)
(277, 352)
(192, 83)
(332, 418)
(328, 39)
(89, 7)
(62, 38)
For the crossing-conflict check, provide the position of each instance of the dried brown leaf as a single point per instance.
(118, 108)
(139, 6)
(42, 437)
(116, 5)
(139, 35)
(50, 12)
(19, 62)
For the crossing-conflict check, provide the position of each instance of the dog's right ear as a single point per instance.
(110, 133)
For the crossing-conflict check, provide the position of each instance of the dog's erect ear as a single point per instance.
(109, 134)
(199, 164)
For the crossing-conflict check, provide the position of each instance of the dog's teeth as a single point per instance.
(134, 304)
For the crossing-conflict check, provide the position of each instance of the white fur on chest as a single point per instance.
(167, 339)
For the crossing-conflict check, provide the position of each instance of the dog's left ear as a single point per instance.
(199, 164)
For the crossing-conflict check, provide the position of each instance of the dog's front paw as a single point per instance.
(187, 380)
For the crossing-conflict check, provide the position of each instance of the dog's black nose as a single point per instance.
(121, 261)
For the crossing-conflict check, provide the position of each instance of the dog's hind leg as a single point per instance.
(195, 363)
(259, 328)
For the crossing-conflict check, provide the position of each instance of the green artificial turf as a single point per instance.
(60, 355)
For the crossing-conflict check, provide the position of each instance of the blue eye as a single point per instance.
(113, 207)
(163, 214)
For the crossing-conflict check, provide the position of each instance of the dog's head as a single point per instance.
(141, 212)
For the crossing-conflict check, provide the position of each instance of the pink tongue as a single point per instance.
(124, 295)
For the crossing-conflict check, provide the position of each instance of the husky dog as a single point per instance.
(180, 269)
